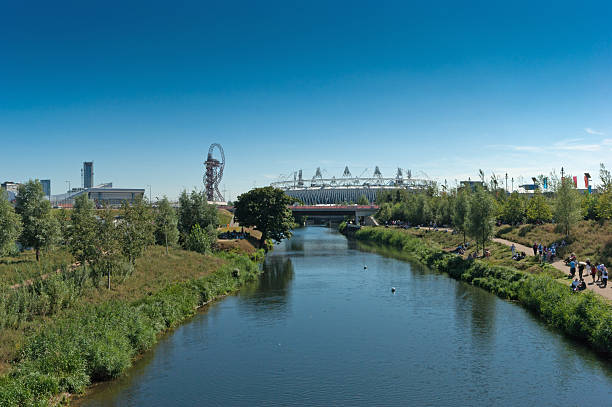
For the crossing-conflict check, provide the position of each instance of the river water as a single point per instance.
(319, 329)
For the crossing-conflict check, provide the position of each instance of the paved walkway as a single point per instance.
(559, 265)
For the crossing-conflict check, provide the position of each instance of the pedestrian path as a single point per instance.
(559, 265)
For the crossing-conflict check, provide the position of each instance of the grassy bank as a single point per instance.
(588, 238)
(68, 331)
(584, 316)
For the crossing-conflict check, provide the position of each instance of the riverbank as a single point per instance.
(95, 334)
(584, 316)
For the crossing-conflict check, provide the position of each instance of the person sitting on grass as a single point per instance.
(574, 286)
(582, 286)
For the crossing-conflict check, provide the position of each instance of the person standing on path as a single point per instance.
(581, 269)
(513, 248)
(535, 249)
(604, 277)
(573, 268)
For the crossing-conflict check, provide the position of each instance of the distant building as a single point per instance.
(88, 174)
(471, 184)
(46, 185)
(102, 195)
(10, 186)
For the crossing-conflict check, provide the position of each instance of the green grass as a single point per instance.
(225, 216)
(17, 269)
(97, 337)
(588, 239)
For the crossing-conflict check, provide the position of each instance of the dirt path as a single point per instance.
(559, 265)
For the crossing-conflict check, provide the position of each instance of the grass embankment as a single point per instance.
(18, 269)
(68, 331)
(588, 238)
(584, 316)
(225, 216)
(501, 255)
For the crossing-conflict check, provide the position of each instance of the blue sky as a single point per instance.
(442, 88)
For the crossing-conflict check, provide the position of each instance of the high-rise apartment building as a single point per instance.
(88, 174)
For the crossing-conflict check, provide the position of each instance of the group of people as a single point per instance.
(545, 253)
(598, 272)
(516, 255)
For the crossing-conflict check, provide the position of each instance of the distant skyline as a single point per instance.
(143, 89)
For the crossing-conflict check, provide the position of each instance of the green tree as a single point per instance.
(136, 229)
(604, 205)
(40, 228)
(461, 209)
(10, 225)
(63, 219)
(513, 209)
(201, 240)
(363, 200)
(110, 260)
(194, 209)
(606, 179)
(589, 206)
(538, 209)
(481, 216)
(166, 232)
(567, 206)
(83, 232)
(268, 210)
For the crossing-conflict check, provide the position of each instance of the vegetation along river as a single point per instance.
(319, 329)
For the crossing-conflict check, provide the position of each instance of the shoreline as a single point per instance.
(54, 368)
(550, 300)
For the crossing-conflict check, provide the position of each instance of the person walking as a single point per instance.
(535, 249)
(513, 248)
(604, 277)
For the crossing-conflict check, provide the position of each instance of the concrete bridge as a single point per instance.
(335, 211)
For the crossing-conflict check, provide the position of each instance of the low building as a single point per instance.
(102, 195)
(10, 186)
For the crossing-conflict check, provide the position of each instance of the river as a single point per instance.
(320, 329)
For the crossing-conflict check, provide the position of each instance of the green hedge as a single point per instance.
(98, 342)
(584, 315)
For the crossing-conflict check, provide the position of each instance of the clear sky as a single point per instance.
(445, 87)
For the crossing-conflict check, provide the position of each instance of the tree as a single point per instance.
(363, 200)
(604, 205)
(538, 209)
(10, 225)
(461, 208)
(567, 205)
(513, 210)
(194, 209)
(480, 216)
(201, 240)
(268, 210)
(108, 244)
(166, 232)
(40, 228)
(83, 232)
(606, 178)
(137, 229)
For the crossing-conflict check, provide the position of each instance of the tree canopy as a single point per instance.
(567, 206)
(266, 209)
(40, 228)
(481, 216)
(10, 225)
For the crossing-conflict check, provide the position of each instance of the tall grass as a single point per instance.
(585, 315)
(89, 343)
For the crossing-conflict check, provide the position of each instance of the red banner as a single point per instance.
(576, 181)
